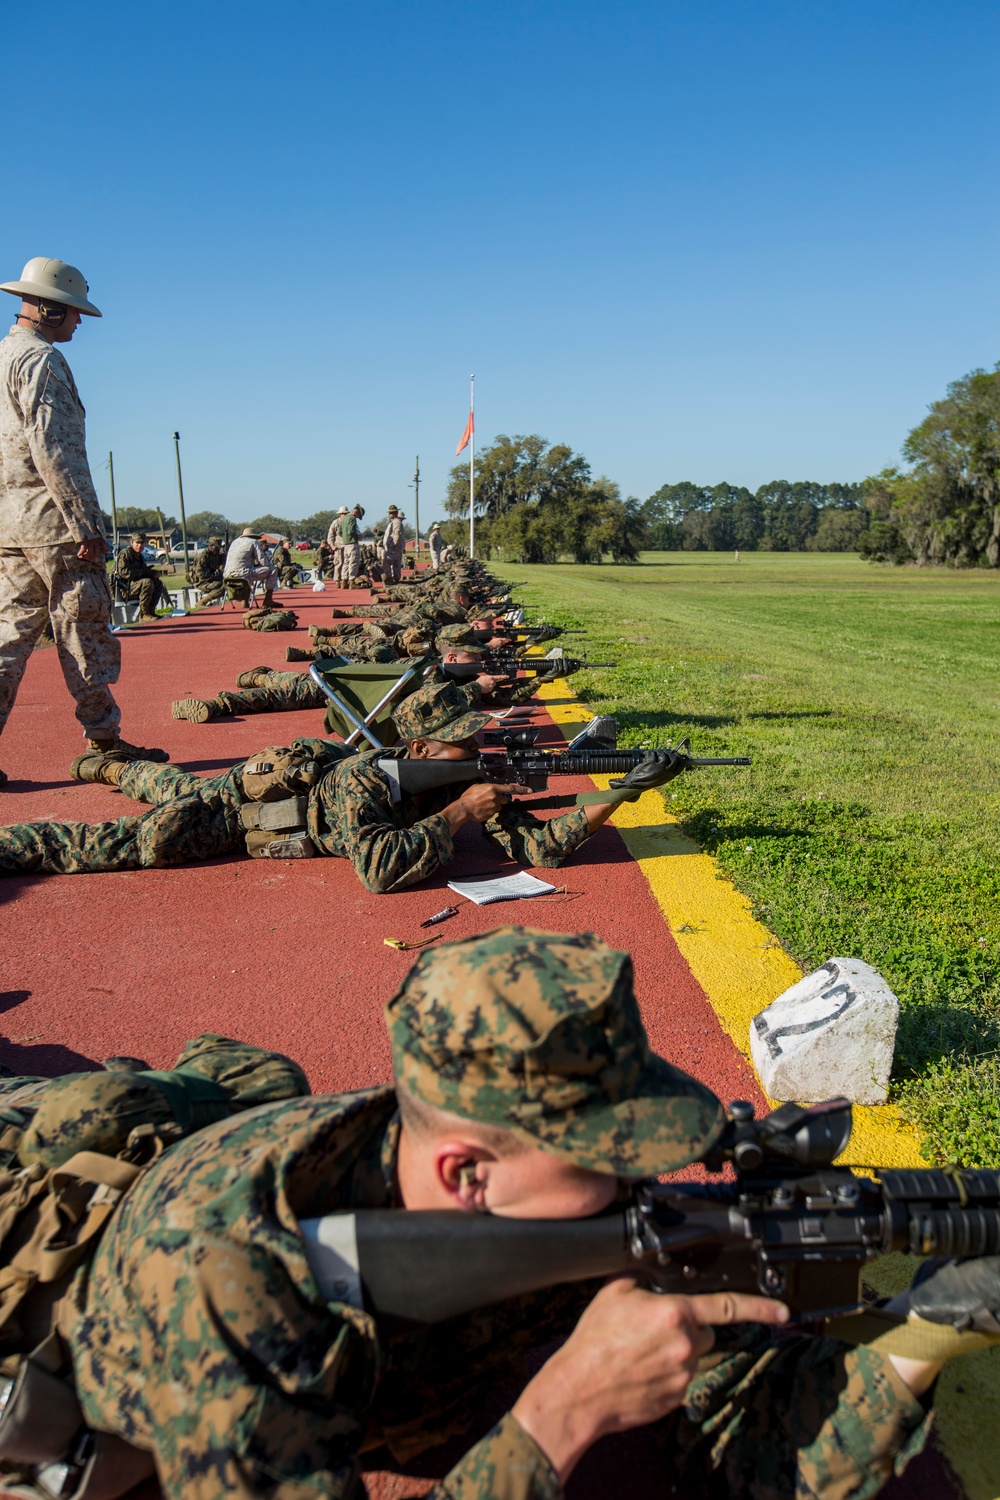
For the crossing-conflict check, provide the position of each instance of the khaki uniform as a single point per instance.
(393, 541)
(350, 565)
(337, 548)
(48, 506)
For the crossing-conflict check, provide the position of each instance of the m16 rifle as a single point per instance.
(503, 664)
(530, 768)
(789, 1225)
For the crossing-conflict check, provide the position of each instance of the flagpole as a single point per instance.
(472, 467)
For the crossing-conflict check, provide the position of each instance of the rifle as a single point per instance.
(529, 768)
(537, 666)
(790, 1225)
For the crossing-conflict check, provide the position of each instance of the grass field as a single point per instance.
(869, 699)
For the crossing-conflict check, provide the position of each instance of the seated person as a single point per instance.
(247, 560)
(137, 580)
(205, 573)
(288, 568)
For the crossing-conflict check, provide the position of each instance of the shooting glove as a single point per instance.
(659, 767)
(964, 1293)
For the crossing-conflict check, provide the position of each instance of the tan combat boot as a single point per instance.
(254, 678)
(198, 710)
(267, 600)
(104, 768)
(116, 746)
(298, 653)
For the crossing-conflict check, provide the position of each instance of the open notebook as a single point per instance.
(501, 888)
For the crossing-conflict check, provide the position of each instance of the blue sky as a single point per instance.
(703, 241)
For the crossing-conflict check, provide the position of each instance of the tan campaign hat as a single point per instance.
(53, 281)
(540, 1033)
(249, 531)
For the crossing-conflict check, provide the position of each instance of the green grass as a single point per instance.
(870, 702)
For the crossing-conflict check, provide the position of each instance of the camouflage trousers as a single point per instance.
(282, 693)
(39, 584)
(210, 593)
(289, 576)
(149, 591)
(193, 818)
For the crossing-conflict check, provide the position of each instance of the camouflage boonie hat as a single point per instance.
(438, 712)
(540, 1033)
(138, 536)
(457, 638)
(215, 541)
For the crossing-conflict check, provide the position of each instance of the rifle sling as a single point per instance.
(911, 1338)
(583, 799)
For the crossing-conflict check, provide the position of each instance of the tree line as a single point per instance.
(205, 523)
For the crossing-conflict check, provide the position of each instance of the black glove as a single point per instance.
(659, 767)
(964, 1293)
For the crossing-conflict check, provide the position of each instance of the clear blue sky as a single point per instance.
(703, 240)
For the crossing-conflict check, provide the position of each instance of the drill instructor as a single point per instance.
(52, 542)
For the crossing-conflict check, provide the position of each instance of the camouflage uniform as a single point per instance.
(392, 847)
(48, 506)
(393, 542)
(205, 574)
(137, 580)
(288, 571)
(350, 564)
(200, 1332)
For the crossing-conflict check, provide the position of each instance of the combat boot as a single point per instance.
(253, 678)
(198, 710)
(297, 653)
(116, 746)
(97, 767)
(267, 601)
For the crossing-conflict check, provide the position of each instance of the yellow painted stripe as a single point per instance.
(742, 967)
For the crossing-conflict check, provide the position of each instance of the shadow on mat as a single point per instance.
(47, 1060)
(10, 998)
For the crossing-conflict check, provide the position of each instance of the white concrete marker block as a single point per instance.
(832, 1033)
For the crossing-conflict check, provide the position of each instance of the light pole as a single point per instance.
(180, 493)
(114, 508)
(416, 512)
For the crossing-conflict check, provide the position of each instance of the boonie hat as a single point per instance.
(137, 536)
(438, 712)
(540, 1033)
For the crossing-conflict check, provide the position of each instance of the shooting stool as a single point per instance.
(240, 591)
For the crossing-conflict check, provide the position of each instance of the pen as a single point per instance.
(440, 916)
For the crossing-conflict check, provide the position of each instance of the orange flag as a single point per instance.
(470, 428)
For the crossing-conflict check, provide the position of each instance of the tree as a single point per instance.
(838, 530)
(276, 525)
(206, 523)
(317, 525)
(135, 518)
(517, 471)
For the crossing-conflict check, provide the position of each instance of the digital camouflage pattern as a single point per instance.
(458, 638)
(198, 1332)
(193, 818)
(270, 619)
(97, 1111)
(351, 814)
(540, 1033)
(136, 580)
(47, 495)
(205, 574)
(439, 711)
(39, 585)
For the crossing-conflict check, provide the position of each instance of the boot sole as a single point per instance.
(191, 709)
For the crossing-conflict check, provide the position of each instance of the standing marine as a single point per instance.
(53, 548)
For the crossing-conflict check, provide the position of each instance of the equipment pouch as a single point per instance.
(41, 1416)
(290, 812)
(262, 844)
(277, 773)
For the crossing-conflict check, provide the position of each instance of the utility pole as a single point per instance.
(114, 508)
(416, 509)
(180, 492)
(472, 466)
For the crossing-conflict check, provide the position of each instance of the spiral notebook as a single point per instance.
(501, 888)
